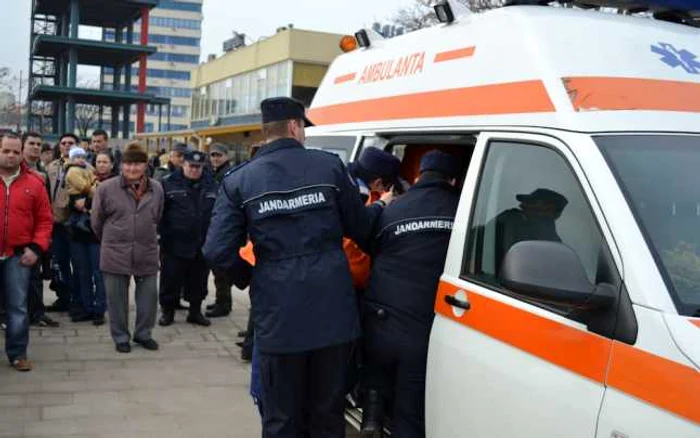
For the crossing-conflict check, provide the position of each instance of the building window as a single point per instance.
(180, 23)
(180, 6)
(174, 57)
(241, 94)
(158, 39)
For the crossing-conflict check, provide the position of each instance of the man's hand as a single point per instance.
(29, 258)
(80, 204)
(387, 197)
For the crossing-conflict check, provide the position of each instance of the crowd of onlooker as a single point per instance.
(86, 218)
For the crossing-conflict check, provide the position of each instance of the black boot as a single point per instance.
(167, 318)
(372, 413)
(218, 311)
(197, 318)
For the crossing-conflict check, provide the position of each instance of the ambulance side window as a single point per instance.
(342, 146)
(529, 192)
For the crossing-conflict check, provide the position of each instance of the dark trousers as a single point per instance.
(223, 289)
(36, 294)
(88, 277)
(304, 393)
(178, 273)
(60, 248)
(395, 357)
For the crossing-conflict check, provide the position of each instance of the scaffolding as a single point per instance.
(56, 51)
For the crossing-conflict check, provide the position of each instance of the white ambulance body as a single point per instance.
(597, 335)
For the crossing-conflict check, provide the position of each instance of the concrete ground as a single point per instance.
(194, 386)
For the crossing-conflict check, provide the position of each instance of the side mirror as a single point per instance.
(551, 272)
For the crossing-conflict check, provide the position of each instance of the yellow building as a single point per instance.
(226, 91)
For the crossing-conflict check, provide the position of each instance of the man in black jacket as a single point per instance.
(189, 198)
(218, 154)
(408, 258)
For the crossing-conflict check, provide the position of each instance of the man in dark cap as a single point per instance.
(295, 204)
(408, 255)
(189, 199)
(535, 219)
(175, 161)
(375, 171)
(218, 154)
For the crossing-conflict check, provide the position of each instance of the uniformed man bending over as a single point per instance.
(295, 204)
(189, 199)
(408, 259)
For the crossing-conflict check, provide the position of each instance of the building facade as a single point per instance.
(226, 92)
(175, 28)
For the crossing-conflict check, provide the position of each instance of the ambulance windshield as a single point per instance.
(660, 176)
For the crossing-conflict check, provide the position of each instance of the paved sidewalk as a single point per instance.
(195, 386)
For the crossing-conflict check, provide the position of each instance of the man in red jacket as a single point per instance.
(26, 233)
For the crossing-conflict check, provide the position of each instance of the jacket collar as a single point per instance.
(279, 144)
(430, 184)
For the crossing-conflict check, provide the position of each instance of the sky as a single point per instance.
(221, 17)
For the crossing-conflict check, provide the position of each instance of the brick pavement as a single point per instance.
(195, 385)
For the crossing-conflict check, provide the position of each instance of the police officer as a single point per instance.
(189, 200)
(175, 161)
(295, 204)
(408, 257)
(218, 154)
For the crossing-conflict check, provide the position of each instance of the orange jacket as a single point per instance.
(360, 263)
(247, 254)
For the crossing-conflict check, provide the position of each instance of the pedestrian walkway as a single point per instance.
(196, 385)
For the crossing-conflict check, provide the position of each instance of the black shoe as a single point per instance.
(243, 334)
(81, 317)
(124, 347)
(167, 318)
(218, 312)
(45, 321)
(98, 320)
(372, 413)
(242, 344)
(247, 353)
(198, 319)
(148, 344)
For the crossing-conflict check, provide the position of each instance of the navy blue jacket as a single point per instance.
(296, 205)
(409, 254)
(186, 214)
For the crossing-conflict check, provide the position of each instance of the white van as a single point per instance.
(594, 333)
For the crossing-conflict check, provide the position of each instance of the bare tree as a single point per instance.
(86, 115)
(85, 118)
(420, 14)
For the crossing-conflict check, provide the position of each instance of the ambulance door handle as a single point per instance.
(456, 302)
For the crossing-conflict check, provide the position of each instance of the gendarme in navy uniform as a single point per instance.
(190, 194)
(296, 205)
(409, 252)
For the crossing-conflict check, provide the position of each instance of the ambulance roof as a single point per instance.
(521, 66)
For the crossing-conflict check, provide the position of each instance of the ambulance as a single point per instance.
(579, 120)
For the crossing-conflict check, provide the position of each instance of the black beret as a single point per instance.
(380, 163)
(277, 109)
(438, 161)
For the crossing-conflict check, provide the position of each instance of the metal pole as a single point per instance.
(143, 65)
(73, 63)
(19, 107)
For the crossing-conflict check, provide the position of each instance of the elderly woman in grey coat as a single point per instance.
(125, 215)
